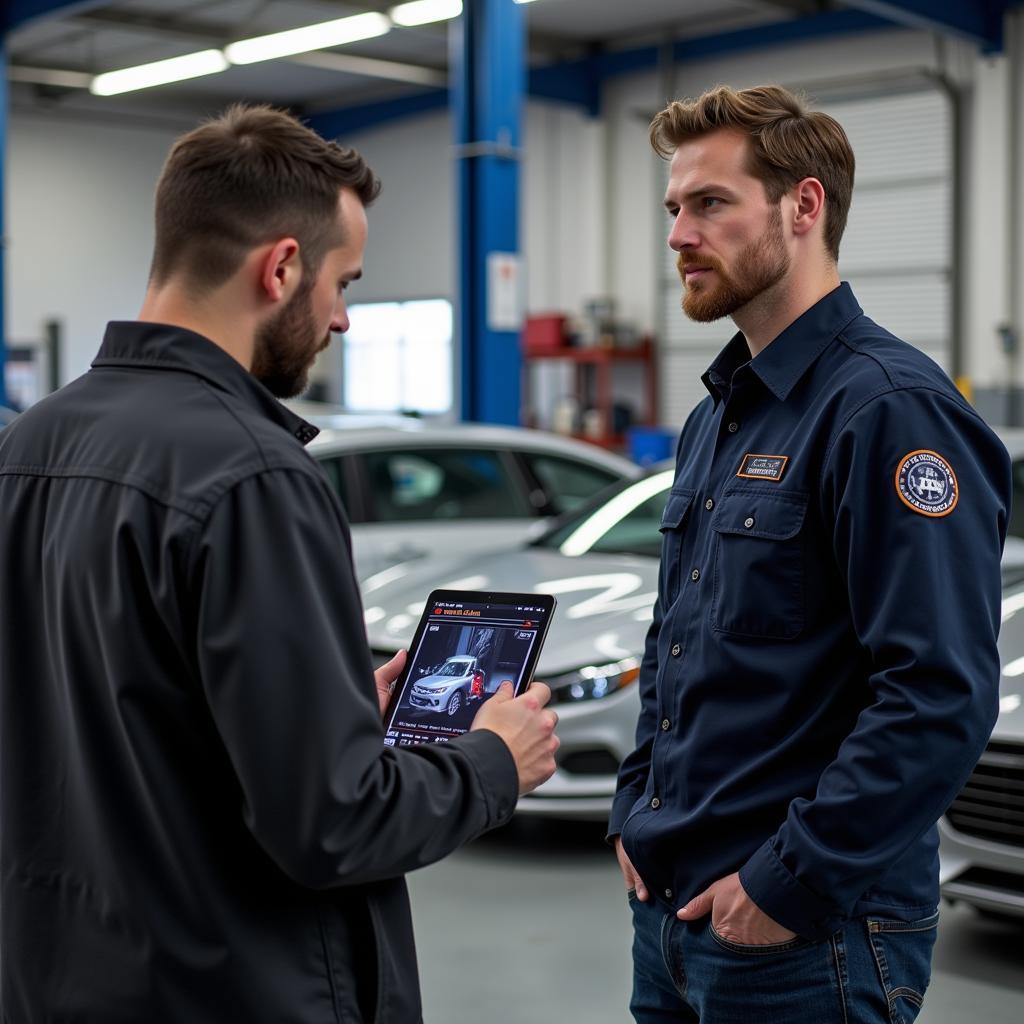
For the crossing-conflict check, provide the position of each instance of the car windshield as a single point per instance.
(627, 523)
(453, 668)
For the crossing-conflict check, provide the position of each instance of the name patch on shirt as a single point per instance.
(763, 467)
(926, 483)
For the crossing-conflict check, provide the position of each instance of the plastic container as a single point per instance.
(648, 445)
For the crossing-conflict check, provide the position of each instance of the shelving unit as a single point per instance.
(594, 385)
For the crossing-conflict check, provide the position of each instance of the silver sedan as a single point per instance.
(413, 489)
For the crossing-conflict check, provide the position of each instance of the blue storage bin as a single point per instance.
(648, 445)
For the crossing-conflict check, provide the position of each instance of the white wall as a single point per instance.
(79, 227)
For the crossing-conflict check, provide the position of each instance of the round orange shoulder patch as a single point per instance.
(926, 483)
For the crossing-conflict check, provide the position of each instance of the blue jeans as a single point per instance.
(872, 971)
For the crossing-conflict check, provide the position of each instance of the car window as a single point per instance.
(442, 484)
(334, 472)
(1016, 528)
(636, 533)
(568, 483)
(627, 522)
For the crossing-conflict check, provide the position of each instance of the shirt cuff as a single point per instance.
(496, 771)
(622, 806)
(785, 899)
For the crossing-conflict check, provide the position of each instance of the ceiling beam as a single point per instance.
(980, 21)
(17, 12)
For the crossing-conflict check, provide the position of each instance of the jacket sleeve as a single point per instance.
(287, 674)
(924, 597)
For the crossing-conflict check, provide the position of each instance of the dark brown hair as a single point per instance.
(788, 142)
(252, 175)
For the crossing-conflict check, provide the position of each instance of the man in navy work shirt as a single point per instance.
(821, 673)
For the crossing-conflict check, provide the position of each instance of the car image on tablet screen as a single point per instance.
(456, 682)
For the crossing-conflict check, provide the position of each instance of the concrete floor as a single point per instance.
(531, 924)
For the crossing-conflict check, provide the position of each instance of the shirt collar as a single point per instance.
(165, 347)
(782, 363)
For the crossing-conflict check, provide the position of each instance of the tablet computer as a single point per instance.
(466, 644)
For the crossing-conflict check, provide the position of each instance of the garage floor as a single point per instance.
(531, 924)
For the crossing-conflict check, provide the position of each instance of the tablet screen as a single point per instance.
(464, 648)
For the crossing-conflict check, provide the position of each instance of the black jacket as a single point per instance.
(198, 818)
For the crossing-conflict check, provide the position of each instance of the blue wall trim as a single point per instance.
(980, 21)
(17, 12)
(337, 124)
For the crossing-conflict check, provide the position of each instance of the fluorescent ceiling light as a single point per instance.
(523, 1)
(161, 72)
(310, 37)
(49, 76)
(423, 12)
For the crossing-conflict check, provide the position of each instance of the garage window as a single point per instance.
(397, 357)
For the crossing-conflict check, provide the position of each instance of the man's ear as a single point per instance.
(280, 270)
(808, 205)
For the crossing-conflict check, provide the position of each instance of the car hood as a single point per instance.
(604, 601)
(1010, 724)
(439, 682)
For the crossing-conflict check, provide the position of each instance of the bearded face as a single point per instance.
(288, 343)
(716, 291)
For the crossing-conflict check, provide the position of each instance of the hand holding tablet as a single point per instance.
(528, 735)
(466, 646)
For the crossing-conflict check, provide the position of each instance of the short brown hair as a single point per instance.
(249, 176)
(788, 142)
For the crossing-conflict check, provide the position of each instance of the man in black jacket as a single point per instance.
(199, 820)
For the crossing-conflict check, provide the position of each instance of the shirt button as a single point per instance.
(709, 504)
(668, 894)
(655, 803)
(695, 575)
(676, 650)
(665, 725)
(748, 522)
(733, 427)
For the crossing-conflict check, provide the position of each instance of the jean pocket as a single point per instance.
(759, 564)
(770, 949)
(903, 954)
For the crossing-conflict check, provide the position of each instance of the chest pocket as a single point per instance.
(672, 528)
(759, 564)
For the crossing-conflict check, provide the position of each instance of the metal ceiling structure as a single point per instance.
(53, 48)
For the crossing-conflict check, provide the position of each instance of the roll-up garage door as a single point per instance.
(896, 252)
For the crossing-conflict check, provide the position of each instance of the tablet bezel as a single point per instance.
(547, 601)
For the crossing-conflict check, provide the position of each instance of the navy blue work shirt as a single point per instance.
(821, 674)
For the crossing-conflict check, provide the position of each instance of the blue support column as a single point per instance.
(487, 88)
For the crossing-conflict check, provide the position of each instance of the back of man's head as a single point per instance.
(250, 176)
(788, 142)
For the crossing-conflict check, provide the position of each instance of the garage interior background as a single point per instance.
(929, 91)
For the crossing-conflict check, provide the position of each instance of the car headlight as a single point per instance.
(592, 682)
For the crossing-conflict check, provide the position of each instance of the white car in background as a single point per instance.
(981, 837)
(413, 488)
